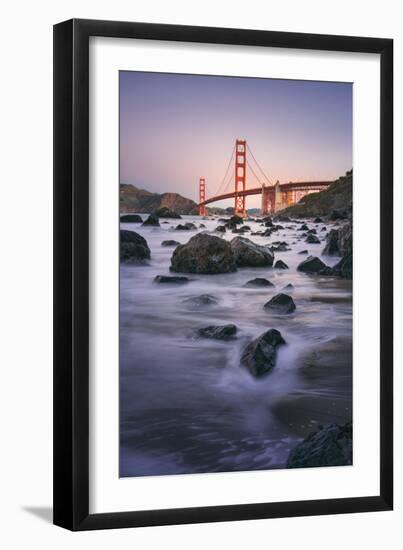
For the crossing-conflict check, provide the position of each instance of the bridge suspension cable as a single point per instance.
(253, 172)
(258, 165)
(226, 173)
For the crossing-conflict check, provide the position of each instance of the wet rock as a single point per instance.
(167, 279)
(259, 357)
(303, 252)
(338, 215)
(204, 254)
(250, 254)
(131, 218)
(312, 239)
(259, 282)
(236, 220)
(202, 300)
(324, 228)
(266, 233)
(281, 303)
(202, 226)
(152, 220)
(328, 446)
(303, 227)
(279, 246)
(165, 212)
(311, 231)
(312, 264)
(224, 332)
(332, 243)
(282, 218)
(267, 221)
(318, 220)
(220, 229)
(170, 243)
(133, 247)
(280, 265)
(344, 268)
(189, 226)
(289, 287)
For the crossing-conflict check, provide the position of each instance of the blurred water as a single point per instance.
(186, 405)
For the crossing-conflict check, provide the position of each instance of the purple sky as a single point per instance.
(177, 128)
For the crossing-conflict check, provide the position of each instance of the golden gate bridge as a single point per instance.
(275, 196)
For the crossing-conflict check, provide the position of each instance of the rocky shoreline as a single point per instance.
(212, 253)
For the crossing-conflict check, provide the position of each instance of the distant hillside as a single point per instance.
(337, 197)
(133, 199)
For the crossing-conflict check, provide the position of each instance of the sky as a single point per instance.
(177, 128)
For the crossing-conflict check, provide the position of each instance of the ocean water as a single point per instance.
(186, 404)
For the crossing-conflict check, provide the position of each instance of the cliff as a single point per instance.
(133, 199)
(336, 199)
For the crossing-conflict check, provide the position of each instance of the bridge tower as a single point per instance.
(240, 177)
(202, 197)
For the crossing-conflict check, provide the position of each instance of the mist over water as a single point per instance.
(186, 404)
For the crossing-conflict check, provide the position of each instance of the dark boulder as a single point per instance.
(259, 357)
(236, 220)
(332, 243)
(152, 220)
(201, 301)
(220, 229)
(282, 218)
(167, 279)
(250, 254)
(165, 212)
(344, 268)
(303, 227)
(281, 303)
(170, 243)
(280, 265)
(331, 445)
(131, 218)
(202, 226)
(133, 247)
(204, 254)
(259, 282)
(224, 332)
(267, 220)
(311, 231)
(317, 220)
(189, 226)
(312, 239)
(311, 265)
(303, 252)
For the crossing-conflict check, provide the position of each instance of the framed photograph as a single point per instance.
(223, 299)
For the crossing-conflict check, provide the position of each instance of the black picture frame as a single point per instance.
(71, 274)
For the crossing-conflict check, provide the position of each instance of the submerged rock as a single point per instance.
(289, 287)
(280, 265)
(204, 254)
(259, 357)
(162, 279)
(202, 300)
(303, 252)
(170, 243)
(224, 332)
(250, 254)
(133, 247)
(152, 220)
(312, 264)
(281, 303)
(331, 445)
(165, 212)
(131, 218)
(259, 282)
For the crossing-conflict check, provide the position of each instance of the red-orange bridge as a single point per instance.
(275, 196)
